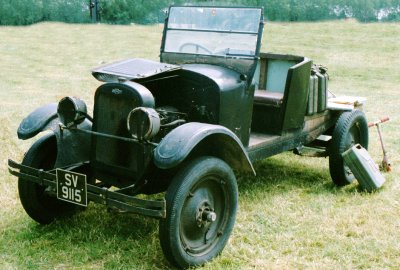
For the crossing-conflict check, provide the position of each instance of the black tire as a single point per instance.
(351, 128)
(205, 188)
(37, 203)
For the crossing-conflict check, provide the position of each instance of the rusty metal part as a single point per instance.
(385, 166)
(380, 121)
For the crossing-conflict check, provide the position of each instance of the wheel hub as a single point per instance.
(205, 215)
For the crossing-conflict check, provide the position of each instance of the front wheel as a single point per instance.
(35, 199)
(351, 128)
(201, 211)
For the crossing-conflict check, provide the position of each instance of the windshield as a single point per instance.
(213, 31)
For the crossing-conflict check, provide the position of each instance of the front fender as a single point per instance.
(41, 119)
(206, 139)
(72, 147)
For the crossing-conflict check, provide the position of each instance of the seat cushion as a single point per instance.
(263, 97)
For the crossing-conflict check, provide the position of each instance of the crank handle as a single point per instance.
(382, 120)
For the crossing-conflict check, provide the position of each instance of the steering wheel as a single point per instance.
(197, 47)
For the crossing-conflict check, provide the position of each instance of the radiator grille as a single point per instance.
(112, 106)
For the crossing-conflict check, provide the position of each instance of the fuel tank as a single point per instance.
(363, 167)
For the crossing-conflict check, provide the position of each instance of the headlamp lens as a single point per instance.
(71, 111)
(143, 123)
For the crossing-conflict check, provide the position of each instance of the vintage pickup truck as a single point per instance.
(165, 138)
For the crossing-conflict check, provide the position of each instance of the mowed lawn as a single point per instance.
(290, 215)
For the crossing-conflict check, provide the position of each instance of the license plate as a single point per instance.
(71, 187)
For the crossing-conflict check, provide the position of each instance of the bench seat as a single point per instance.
(263, 97)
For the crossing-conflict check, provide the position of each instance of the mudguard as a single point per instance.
(72, 146)
(37, 121)
(204, 139)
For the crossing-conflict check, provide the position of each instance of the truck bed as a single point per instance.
(263, 145)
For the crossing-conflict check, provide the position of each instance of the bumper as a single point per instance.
(113, 199)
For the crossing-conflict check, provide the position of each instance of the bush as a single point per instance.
(71, 11)
(23, 12)
(128, 11)
(20, 12)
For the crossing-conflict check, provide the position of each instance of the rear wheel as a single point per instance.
(35, 199)
(201, 211)
(350, 129)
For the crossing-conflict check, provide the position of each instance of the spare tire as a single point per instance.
(351, 128)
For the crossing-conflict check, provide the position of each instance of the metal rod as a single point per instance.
(386, 166)
(110, 136)
(382, 120)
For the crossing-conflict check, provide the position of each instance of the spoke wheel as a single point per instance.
(201, 211)
(350, 129)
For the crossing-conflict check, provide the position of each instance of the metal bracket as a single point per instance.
(120, 201)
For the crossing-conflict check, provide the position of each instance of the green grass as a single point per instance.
(290, 215)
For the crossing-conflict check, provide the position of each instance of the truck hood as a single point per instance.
(131, 69)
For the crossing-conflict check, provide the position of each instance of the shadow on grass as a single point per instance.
(288, 172)
(96, 238)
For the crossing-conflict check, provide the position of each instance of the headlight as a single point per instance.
(71, 111)
(143, 123)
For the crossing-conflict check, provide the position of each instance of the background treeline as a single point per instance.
(23, 12)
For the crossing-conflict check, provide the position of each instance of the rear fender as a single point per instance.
(72, 146)
(208, 139)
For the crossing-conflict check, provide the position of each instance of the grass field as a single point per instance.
(290, 216)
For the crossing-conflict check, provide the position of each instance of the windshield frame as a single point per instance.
(257, 34)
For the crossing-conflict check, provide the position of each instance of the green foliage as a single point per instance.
(127, 11)
(71, 11)
(17, 12)
(23, 12)
(316, 10)
(291, 216)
